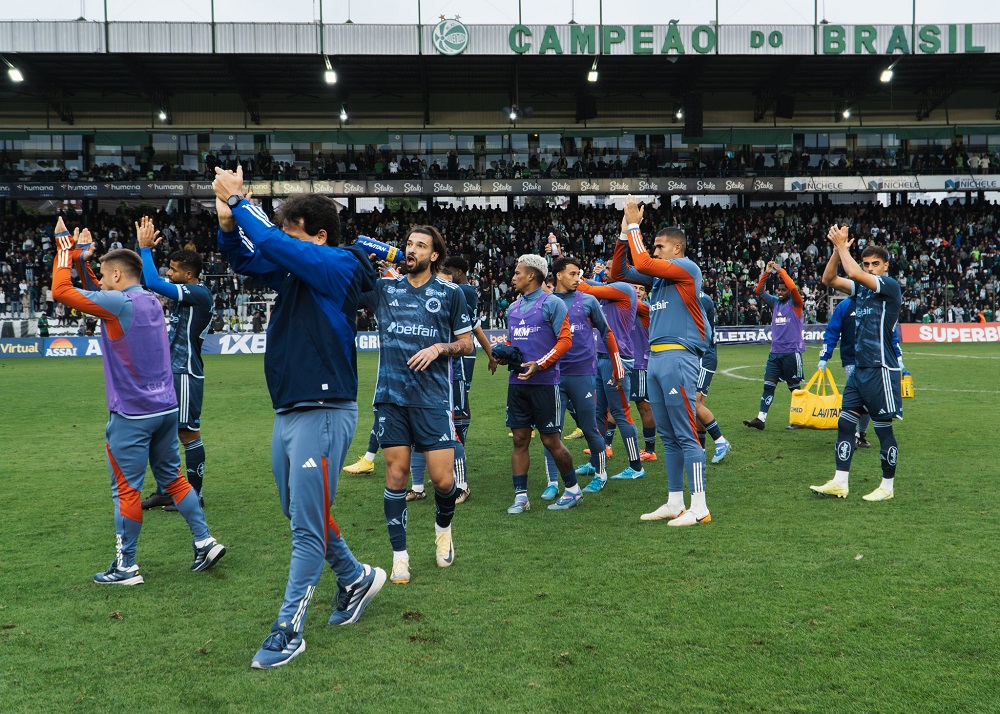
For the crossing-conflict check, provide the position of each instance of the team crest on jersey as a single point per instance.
(433, 305)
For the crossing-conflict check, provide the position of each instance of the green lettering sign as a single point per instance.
(833, 39)
(930, 39)
(703, 39)
(672, 42)
(756, 39)
(864, 37)
(775, 39)
(613, 35)
(898, 41)
(517, 38)
(970, 46)
(550, 41)
(952, 38)
(582, 39)
(642, 40)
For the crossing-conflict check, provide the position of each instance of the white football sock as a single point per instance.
(369, 456)
(887, 484)
(840, 477)
(698, 506)
(762, 416)
(676, 498)
(400, 555)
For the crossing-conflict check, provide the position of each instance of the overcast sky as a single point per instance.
(624, 12)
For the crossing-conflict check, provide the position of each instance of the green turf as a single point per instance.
(786, 602)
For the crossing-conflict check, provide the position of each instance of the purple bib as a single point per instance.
(531, 333)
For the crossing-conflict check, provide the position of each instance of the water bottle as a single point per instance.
(382, 251)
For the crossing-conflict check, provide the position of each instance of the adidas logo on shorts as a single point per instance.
(673, 391)
(310, 464)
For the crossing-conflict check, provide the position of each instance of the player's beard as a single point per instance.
(418, 267)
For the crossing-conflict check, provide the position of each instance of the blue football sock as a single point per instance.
(649, 436)
(194, 462)
(521, 485)
(846, 426)
(445, 506)
(395, 517)
(714, 430)
(768, 395)
(888, 448)
(418, 467)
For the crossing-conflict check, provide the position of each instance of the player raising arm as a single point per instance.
(875, 385)
(678, 334)
(311, 371)
(142, 426)
(190, 316)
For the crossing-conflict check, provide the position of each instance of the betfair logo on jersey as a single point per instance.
(659, 305)
(398, 328)
(60, 347)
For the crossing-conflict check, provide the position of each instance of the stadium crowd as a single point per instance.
(946, 256)
(584, 161)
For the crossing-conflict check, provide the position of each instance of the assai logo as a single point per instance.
(450, 37)
(60, 347)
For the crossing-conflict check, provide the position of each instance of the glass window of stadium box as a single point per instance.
(495, 151)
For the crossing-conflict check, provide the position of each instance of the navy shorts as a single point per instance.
(875, 390)
(534, 406)
(190, 392)
(638, 392)
(704, 379)
(424, 429)
(784, 368)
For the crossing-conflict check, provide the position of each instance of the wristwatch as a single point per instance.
(234, 200)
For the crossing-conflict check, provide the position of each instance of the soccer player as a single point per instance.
(709, 363)
(422, 323)
(454, 270)
(678, 334)
(190, 316)
(841, 328)
(311, 371)
(787, 342)
(620, 304)
(874, 387)
(538, 326)
(578, 370)
(142, 424)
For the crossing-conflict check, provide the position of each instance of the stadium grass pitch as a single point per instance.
(786, 602)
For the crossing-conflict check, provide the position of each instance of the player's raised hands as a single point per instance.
(772, 267)
(64, 241)
(146, 233)
(838, 235)
(228, 183)
(633, 214)
(85, 241)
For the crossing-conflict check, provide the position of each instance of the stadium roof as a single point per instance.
(208, 90)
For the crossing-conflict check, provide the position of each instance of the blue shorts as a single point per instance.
(705, 375)
(784, 368)
(469, 365)
(424, 429)
(638, 392)
(875, 390)
(190, 391)
(534, 406)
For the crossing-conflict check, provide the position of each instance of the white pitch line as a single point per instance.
(729, 373)
(941, 354)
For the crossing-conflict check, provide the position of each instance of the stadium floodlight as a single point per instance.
(592, 74)
(679, 114)
(330, 75)
(13, 72)
(513, 114)
(846, 113)
(343, 112)
(163, 115)
(886, 75)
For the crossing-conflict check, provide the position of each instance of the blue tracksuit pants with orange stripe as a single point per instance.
(672, 378)
(131, 444)
(308, 448)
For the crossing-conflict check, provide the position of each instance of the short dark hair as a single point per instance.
(128, 261)
(675, 234)
(316, 211)
(876, 250)
(559, 264)
(457, 262)
(187, 260)
(437, 244)
(550, 278)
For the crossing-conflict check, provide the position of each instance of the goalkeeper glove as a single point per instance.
(822, 366)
